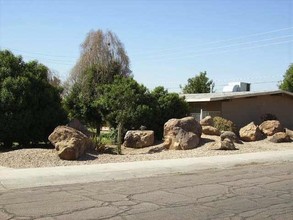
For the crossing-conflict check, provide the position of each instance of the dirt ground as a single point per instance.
(39, 157)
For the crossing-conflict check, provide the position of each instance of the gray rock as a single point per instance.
(227, 144)
(231, 135)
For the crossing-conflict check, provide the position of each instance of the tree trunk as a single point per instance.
(119, 138)
(98, 129)
(7, 145)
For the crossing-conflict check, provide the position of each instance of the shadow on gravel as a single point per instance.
(27, 146)
(91, 155)
(94, 154)
(204, 141)
(226, 149)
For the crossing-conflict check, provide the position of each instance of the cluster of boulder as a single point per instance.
(71, 141)
(185, 133)
(271, 129)
(179, 134)
(208, 128)
(251, 132)
(228, 138)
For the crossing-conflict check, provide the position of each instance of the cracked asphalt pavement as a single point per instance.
(255, 191)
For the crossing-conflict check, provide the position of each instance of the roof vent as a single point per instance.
(237, 87)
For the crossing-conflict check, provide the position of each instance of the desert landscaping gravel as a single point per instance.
(38, 157)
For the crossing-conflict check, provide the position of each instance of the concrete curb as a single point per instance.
(34, 177)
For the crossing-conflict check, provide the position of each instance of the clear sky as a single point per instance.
(168, 41)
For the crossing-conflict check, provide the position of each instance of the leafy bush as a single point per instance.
(30, 107)
(109, 137)
(223, 124)
(268, 116)
(127, 101)
(166, 106)
(98, 145)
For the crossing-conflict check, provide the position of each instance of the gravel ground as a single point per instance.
(38, 157)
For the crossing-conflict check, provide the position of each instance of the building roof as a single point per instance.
(209, 97)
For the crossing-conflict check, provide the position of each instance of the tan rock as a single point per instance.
(182, 140)
(209, 130)
(207, 121)
(69, 142)
(138, 138)
(250, 132)
(271, 127)
(182, 134)
(280, 137)
(187, 124)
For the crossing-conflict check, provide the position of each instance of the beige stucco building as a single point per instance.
(243, 107)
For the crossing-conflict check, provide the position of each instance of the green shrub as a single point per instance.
(109, 137)
(165, 106)
(223, 124)
(106, 139)
(30, 106)
(98, 145)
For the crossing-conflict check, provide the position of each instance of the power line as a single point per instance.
(176, 48)
(231, 45)
(46, 60)
(53, 60)
(227, 40)
(198, 53)
(219, 52)
(42, 54)
(64, 64)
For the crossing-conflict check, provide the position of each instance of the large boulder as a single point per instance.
(231, 135)
(250, 132)
(227, 144)
(69, 142)
(138, 138)
(207, 121)
(188, 124)
(182, 140)
(271, 127)
(182, 134)
(280, 137)
(210, 130)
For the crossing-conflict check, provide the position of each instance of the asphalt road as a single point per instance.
(255, 191)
